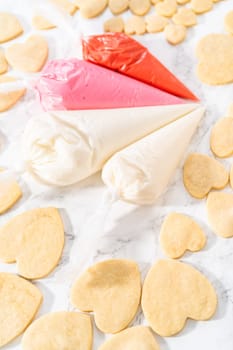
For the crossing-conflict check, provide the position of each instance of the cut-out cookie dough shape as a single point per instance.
(185, 16)
(202, 173)
(135, 25)
(172, 293)
(10, 98)
(35, 240)
(175, 33)
(155, 23)
(59, 330)
(136, 338)
(42, 23)
(228, 22)
(118, 6)
(180, 233)
(91, 8)
(221, 138)
(112, 290)
(115, 25)
(10, 27)
(220, 213)
(29, 56)
(3, 63)
(166, 8)
(201, 6)
(10, 193)
(66, 6)
(19, 303)
(215, 54)
(139, 7)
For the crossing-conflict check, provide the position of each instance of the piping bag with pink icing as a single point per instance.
(74, 84)
(138, 174)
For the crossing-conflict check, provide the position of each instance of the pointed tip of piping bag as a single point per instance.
(85, 248)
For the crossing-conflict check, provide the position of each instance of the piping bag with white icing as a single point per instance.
(64, 147)
(138, 174)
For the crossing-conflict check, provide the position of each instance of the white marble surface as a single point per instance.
(130, 232)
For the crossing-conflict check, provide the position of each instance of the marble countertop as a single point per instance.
(129, 231)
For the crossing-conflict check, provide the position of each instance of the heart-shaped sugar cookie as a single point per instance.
(59, 331)
(34, 240)
(155, 23)
(19, 303)
(29, 56)
(114, 24)
(135, 25)
(201, 174)
(215, 54)
(91, 8)
(42, 23)
(66, 6)
(112, 290)
(180, 233)
(166, 8)
(185, 16)
(201, 6)
(175, 33)
(10, 27)
(136, 338)
(118, 6)
(220, 213)
(10, 193)
(139, 7)
(221, 139)
(172, 293)
(10, 98)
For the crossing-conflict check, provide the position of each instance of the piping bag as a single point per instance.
(114, 51)
(138, 174)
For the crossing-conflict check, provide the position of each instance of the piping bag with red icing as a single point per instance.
(125, 55)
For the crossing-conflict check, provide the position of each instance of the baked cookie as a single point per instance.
(220, 213)
(215, 55)
(172, 293)
(29, 56)
(10, 98)
(10, 27)
(112, 290)
(221, 138)
(19, 303)
(35, 240)
(155, 23)
(42, 23)
(136, 338)
(175, 33)
(115, 25)
(180, 233)
(202, 173)
(59, 330)
(135, 25)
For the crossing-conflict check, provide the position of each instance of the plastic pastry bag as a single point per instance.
(121, 53)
